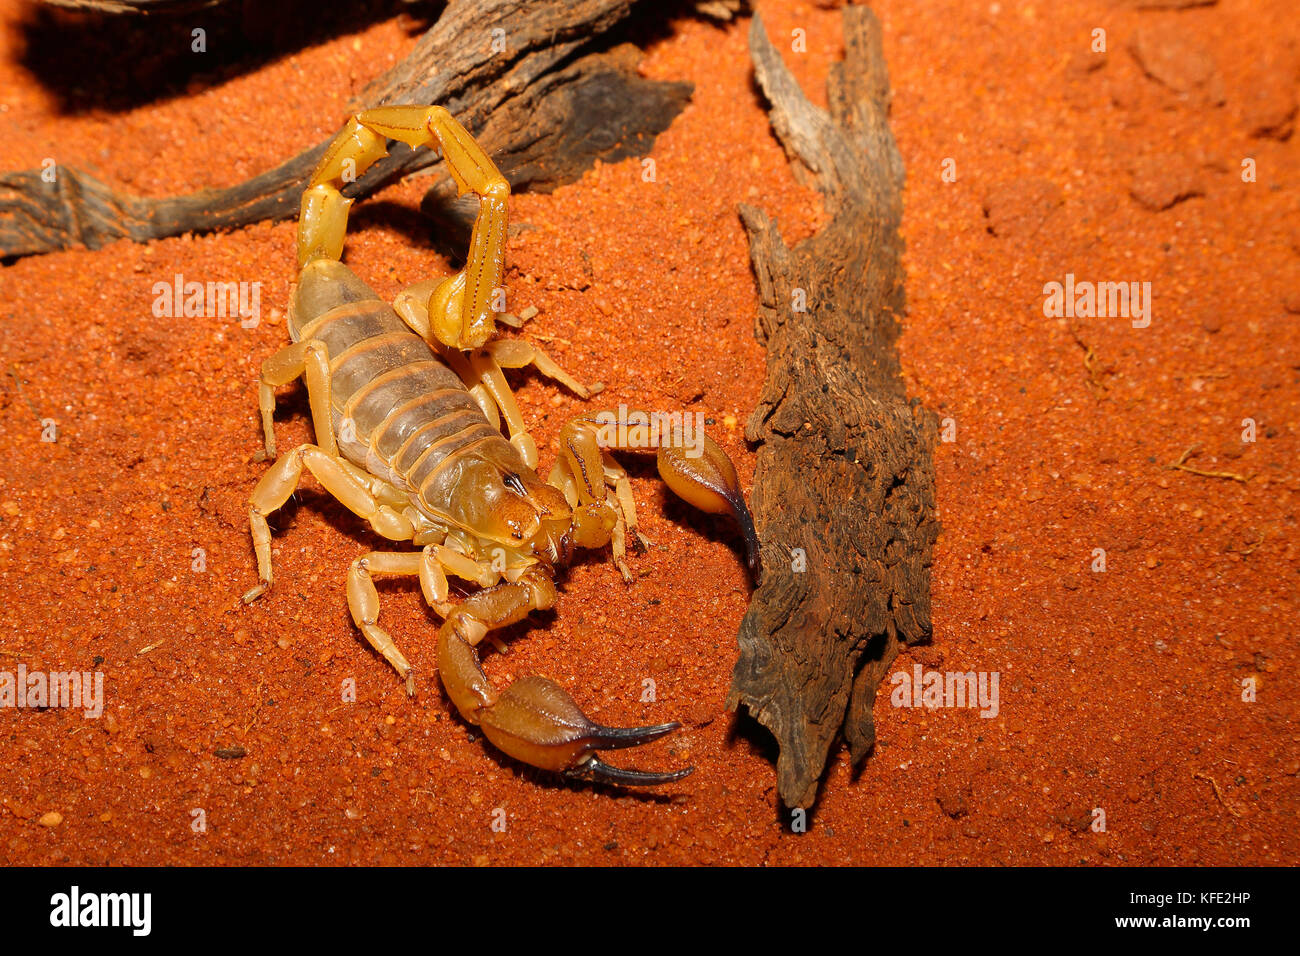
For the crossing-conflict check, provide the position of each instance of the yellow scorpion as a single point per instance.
(407, 402)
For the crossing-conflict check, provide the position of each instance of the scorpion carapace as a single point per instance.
(407, 403)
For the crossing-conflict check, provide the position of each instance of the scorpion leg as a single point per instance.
(279, 483)
(486, 365)
(309, 358)
(534, 719)
(489, 375)
(460, 306)
(363, 600)
(430, 566)
(518, 353)
(482, 376)
(384, 493)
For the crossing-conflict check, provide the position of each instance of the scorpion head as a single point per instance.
(512, 508)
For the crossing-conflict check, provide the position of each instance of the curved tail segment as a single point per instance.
(460, 307)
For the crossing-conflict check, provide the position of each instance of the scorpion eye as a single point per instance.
(512, 482)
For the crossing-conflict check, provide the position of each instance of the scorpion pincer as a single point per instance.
(407, 403)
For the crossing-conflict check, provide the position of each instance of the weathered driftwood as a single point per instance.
(513, 72)
(844, 483)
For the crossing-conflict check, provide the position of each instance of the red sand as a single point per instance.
(1120, 690)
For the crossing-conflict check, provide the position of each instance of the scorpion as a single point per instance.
(406, 402)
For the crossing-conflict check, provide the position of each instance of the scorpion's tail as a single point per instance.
(460, 308)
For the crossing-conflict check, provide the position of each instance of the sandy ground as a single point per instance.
(1146, 712)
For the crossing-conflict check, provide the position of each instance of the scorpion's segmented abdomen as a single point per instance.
(409, 414)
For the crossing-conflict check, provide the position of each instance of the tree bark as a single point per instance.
(844, 484)
(526, 78)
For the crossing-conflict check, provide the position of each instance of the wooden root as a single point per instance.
(844, 485)
(534, 101)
